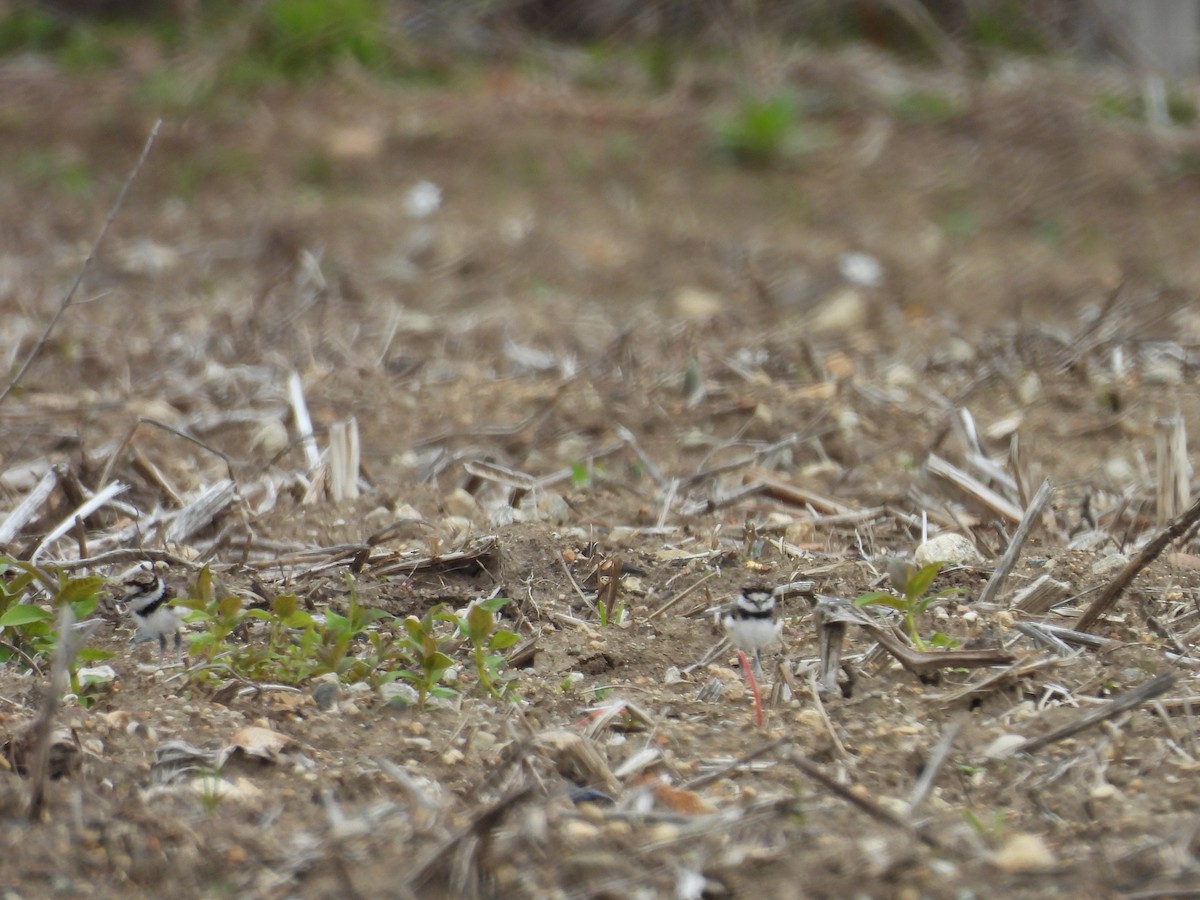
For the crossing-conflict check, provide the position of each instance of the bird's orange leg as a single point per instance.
(753, 682)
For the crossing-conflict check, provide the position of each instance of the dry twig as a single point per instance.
(1121, 703)
(854, 798)
(70, 297)
(70, 640)
(1013, 553)
(1108, 597)
(935, 762)
(743, 760)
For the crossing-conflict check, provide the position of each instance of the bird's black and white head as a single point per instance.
(752, 620)
(147, 597)
(144, 592)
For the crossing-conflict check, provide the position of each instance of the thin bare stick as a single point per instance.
(687, 590)
(575, 584)
(1121, 703)
(70, 639)
(1176, 529)
(131, 554)
(838, 746)
(1032, 513)
(974, 488)
(26, 509)
(303, 421)
(66, 304)
(170, 429)
(861, 800)
(937, 759)
(743, 760)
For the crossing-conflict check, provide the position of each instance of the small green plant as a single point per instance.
(993, 829)
(297, 645)
(608, 616)
(302, 38)
(766, 132)
(610, 607)
(209, 788)
(912, 598)
(585, 472)
(29, 631)
(960, 222)
(1180, 108)
(289, 644)
(479, 626)
(28, 28)
(927, 108)
(58, 171)
(424, 651)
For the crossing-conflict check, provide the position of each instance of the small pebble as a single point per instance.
(949, 548)
(1023, 853)
(1003, 746)
(580, 830)
(325, 695)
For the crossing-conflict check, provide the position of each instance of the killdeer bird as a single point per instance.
(148, 599)
(753, 623)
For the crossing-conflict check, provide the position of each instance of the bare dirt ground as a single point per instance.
(600, 294)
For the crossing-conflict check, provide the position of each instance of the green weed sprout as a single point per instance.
(28, 631)
(478, 626)
(912, 585)
(423, 651)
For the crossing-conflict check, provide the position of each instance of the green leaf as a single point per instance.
(284, 605)
(25, 614)
(921, 580)
(940, 639)
(414, 627)
(334, 622)
(204, 586)
(365, 617)
(19, 583)
(299, 619)
(502, 639)
(228, 607)
(881, 598)
(260, 614)
(480, 623)
(202, 641)
(84, 588)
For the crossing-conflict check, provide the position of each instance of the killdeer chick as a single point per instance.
(753, 623)
(148, 599)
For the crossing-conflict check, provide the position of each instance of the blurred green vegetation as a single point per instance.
(298, 39)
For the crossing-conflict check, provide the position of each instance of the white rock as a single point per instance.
(843, 310)
(950, 548)
(423, 199)
(270, 437)
(1003, 746)
(1023, 853)
(860, 269)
